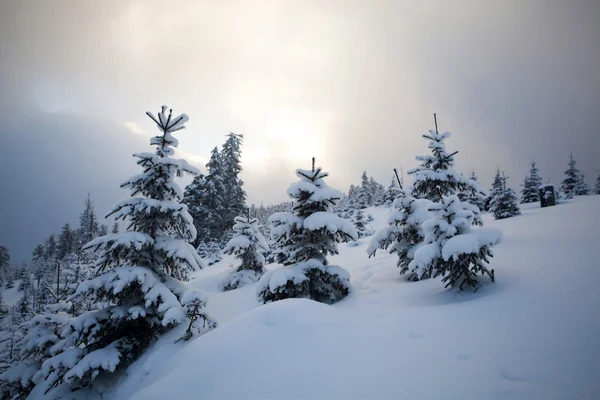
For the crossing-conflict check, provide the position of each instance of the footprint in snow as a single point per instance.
(513, 376)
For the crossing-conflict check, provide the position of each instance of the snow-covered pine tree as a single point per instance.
(196, 197)
(393, 191)
(215, 187)
(231, 154)
(67, 242)
(581, 188)
(139, 273)
(360, 219)
(494, 191)
(404, 233)
(249, 246)
(505, 203)
(452, 249)
(88, 222)
(377, 190)
(304, 238)
(532, 182)
(436, 176)
(364, 197)
(31, 345)
(475, 197)
(4, 264)
(597, 187)
(572, 178)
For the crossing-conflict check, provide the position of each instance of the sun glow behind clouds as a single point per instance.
(297, 134)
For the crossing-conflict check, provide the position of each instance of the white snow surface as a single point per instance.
(531, 335)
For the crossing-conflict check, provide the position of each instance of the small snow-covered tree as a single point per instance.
(303, 239)
(139, 273)
(532, 182)
(597, 187)
(393, 191)
(495, 190)
(477, 198)
(505, 203)
(452, 248)
(115, 228)
(34, 343)
(404, 233)
(364, 196)
(572, 178)
(581, 188)
(436, 176)
(210, 252)
(249, 246)
(361, 220)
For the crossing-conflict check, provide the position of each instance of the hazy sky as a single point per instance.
(354, 83)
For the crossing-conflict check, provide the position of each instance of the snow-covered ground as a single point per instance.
(534, 334)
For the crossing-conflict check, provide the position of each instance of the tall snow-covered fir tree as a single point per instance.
(303, 239)
(505, 202)
(452, 248)
(88, 222)
(197, 197)
(139, 273)
(572, 178)
(4, 264)
(532, 182)
(215, 187)
(436, 177)
(249, 246)
(235, 195)
(404, 233)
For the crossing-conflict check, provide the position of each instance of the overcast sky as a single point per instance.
(353, 83)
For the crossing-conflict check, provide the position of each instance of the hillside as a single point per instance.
(532, 335)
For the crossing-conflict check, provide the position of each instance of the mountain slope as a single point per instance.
(532, 335)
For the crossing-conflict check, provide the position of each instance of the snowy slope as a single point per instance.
(532, 335)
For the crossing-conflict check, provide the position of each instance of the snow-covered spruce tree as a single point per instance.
(393, 191)
(404, 233)
(115, 228)
(249, 246)
(597, 187)
(139, 274)
(361, 220)
(572, 178)
(505, 203)
(475, 197)
(452, 249)
(364, 197)
(4, 263)
(196, 197)
(32, 343)
(581, 188)
(303, 239)
(532, 182)
(436, 176)
(215, 187)
(88, 222)
(231, 154)
(494, 191)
